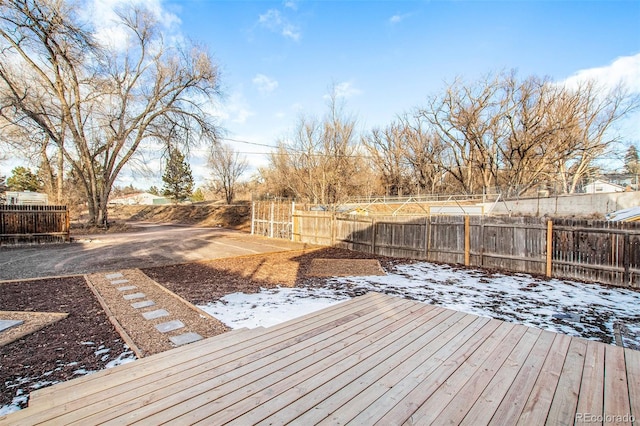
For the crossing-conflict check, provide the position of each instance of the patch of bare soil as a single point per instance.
(344, 268)
(203, 282)
(234, 216)
(84, 341)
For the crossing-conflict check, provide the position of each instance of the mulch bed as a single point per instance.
(62, 350)
(204, 282)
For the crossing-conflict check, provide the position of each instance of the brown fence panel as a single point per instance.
(599, 251)
(513, 244)
(313, 227)
(354, 232)
(446, 239)
(33, 224)
(401, 237)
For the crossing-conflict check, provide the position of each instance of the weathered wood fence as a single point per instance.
(587, 250)
(33, 224)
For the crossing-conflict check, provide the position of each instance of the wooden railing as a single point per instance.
(33, 224)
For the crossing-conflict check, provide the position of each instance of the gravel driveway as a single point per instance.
(153, 245)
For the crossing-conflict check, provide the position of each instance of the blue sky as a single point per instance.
(279, 58)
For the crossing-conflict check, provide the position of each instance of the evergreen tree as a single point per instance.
(23, 179)
(154, 190)
(177, 178)
(631, 161)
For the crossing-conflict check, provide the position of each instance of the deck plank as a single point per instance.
(617, 410)
(281, 377)
(632, 362)
(538, 404)
(431, 408)
(309, 396)
(332, 381)
(484, 407)
(415, 387)
(565, 399)
(454, 411)
(513, 402)
(591, 395)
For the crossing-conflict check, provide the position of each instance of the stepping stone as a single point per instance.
(112, 276)
(127, 287)
(165, 327)
(158, 313)
(134, 296)
(183, 339)
(143, 304)
(116, 282)
(5, 324)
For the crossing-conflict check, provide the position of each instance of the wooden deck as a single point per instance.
(373, 359)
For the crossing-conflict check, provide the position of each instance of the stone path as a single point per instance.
(152, 318)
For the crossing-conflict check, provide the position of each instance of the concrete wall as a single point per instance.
(586, 205)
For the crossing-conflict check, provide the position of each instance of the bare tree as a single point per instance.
(593, 112)
(98, 105)
(320, 162)
(388, 154)
(467, 119)
(226, 169)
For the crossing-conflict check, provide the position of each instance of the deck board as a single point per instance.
(373, 359)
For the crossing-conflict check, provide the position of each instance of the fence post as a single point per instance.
(253, 218)
(467, 241)
(626, 259)
(374, 232)
(293, 221)
(67, 220)
(271, 218)
(426, 238)
(549, 247)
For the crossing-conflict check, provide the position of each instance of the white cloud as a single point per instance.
(264, 84)
(625, 69)
(344, 90)
(291, 4)
(398, 17)
(274, 21)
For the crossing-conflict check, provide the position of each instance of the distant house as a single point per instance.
(600, 186)
(26, 198)
(140, 199)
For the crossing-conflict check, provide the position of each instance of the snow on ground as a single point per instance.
(576, 309)
(25, 385)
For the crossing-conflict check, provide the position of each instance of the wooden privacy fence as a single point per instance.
(598, 251)
(33, 224)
